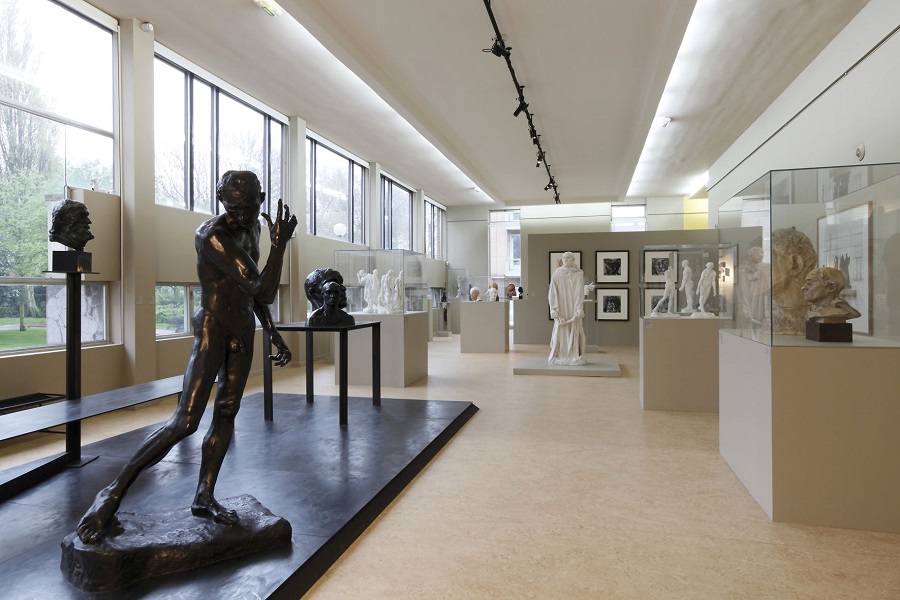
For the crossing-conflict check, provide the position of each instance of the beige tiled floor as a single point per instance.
(563, 487)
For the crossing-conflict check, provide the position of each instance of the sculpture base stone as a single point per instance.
(829, 332)
(152, 545)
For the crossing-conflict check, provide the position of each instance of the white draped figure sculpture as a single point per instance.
(566, 299)
(687, 286)
(371, 284)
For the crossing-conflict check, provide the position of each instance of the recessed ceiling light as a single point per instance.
(270, 6)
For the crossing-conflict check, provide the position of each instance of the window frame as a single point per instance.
(432, 210)
(388, 184)
(356, 207)
(193, 73)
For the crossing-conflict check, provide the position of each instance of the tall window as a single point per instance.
(336, 184)
(435, 225)
(628, 217)
(505, 247)
(202, 129)
(396, 204)
(54, 131)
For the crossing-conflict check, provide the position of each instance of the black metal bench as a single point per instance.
(28, 401)
(70, 413)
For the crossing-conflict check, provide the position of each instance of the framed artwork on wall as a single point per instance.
(556, 261)
(612, 266)
(612, 304)
(655, 264)
(845, 243)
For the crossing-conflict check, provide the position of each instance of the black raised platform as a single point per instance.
(329, 482)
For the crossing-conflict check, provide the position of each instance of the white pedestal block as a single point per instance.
(680, 364)
(453, 307)
(404, 350)
(811, 430)
(484, 327)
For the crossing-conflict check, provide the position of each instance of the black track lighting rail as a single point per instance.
(499, 48)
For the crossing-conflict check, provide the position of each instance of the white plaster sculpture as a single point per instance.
(687, 286)
(396, 294)
(566, 299)
(753, 290)
(670, 295)
(793, 257)
(371, 286)
(474, 294)
(460, 287)
(493, 293)
(706, 287)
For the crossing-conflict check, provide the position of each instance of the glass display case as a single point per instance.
(458, 284)
(383, 281)
(790, 223)
(484, 285)
(688, 280)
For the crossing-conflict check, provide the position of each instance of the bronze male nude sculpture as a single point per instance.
(233, 289)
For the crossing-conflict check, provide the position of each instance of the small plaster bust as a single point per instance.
(71, 225)
(493, 292)
(474, 293)
(822, 290)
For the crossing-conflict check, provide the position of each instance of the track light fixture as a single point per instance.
(500, 49)
(522, 106)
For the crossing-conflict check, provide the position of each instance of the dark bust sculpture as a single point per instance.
(328, 296)
(233, 289)
(71, 225)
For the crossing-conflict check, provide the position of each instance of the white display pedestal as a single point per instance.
(484, 327)
(404, 350)
(442, 320)
(454, 304)
(811, 430)
(680, 364)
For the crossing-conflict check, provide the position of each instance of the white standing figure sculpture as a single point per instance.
(370, 284)
(461, 292)
(397, 293)
(706, 287)
(566, 299)
(687, 286)
(384, 295)
(670, 295)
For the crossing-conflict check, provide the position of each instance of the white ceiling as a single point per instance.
(594, 72)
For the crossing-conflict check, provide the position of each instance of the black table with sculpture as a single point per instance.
(343, 368)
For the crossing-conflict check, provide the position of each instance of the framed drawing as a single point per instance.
(652, 296)
(556, 261)
(845, 243)
(655, 264)
(612, 267)
(612, 304)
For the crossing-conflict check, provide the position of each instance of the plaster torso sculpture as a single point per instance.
(566, 299)
(793, 257)
(706, 287)
(822, 289)
(669, 296)
(687, 286)
(233, 289)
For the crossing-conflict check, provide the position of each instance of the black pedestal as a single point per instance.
(829, 332)
(153, 545)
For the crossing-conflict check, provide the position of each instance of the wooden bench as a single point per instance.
(70, 413)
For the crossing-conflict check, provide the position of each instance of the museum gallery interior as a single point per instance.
(517, 299)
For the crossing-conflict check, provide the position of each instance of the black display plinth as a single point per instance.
(148, 546)
(829, 332)
(71, 261)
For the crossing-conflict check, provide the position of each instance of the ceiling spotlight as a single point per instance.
(270, 6)
(498, 48)
(663, 121)
(147, 27)
(552, 184)
(522, 106)
(540, 159)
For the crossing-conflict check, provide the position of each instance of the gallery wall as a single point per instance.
(532, 322)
